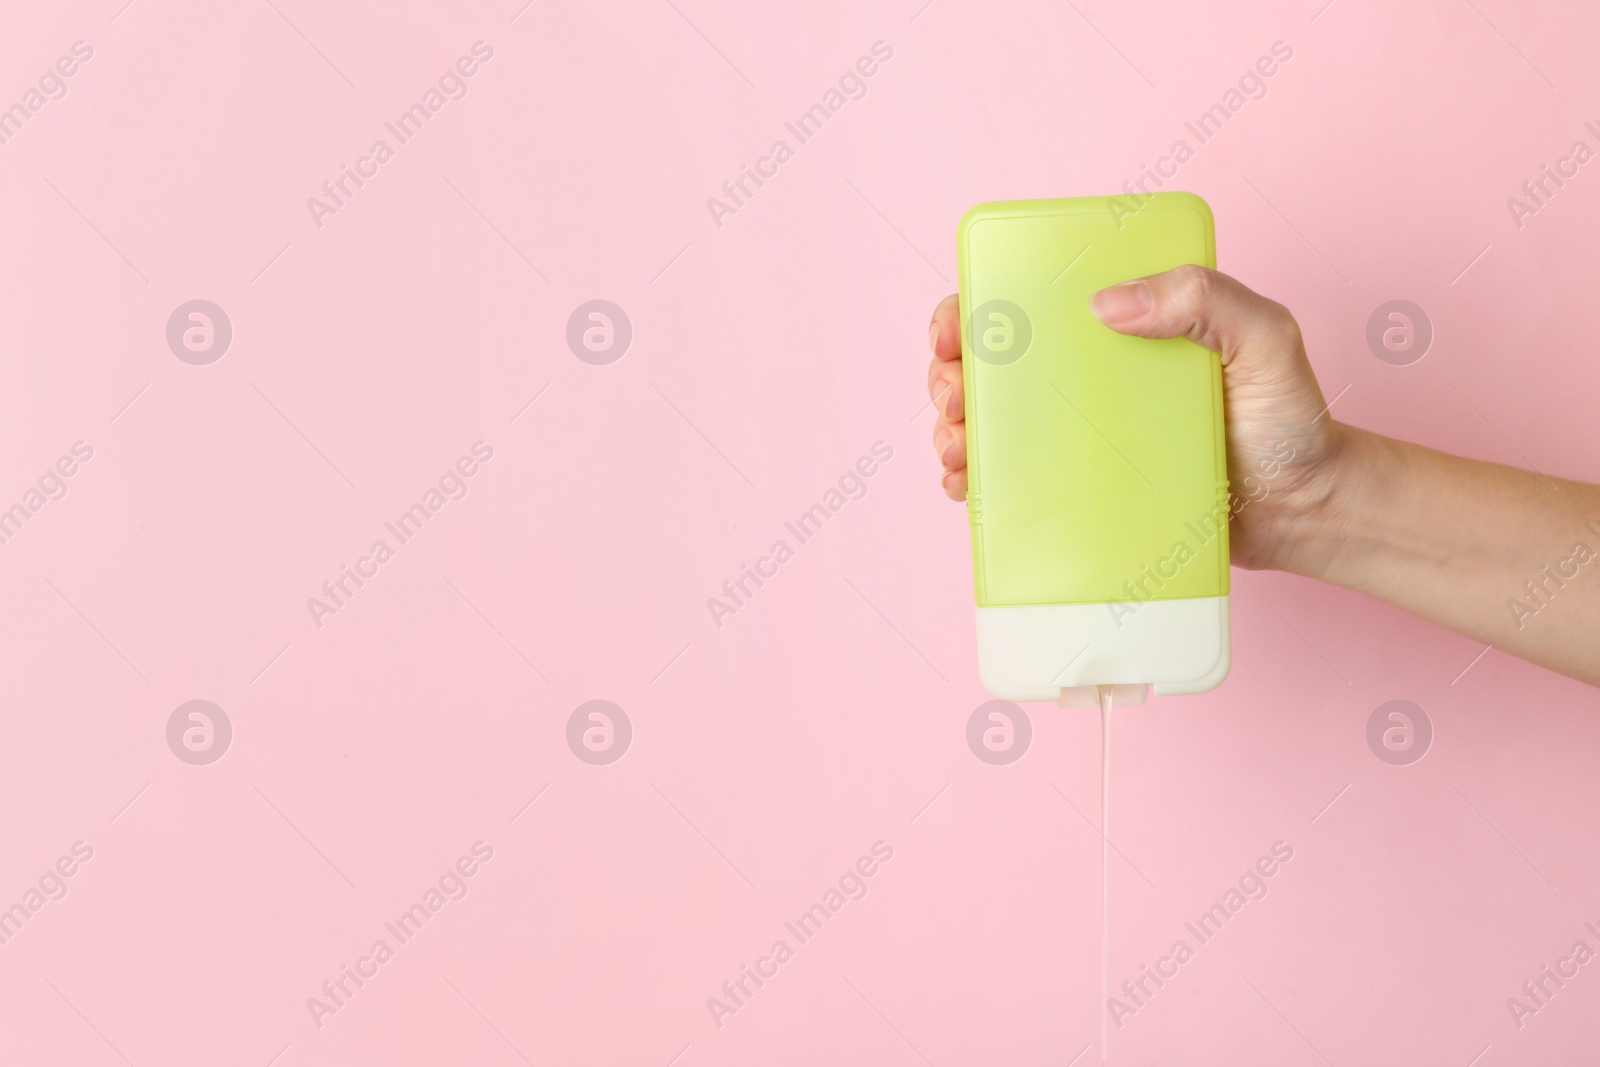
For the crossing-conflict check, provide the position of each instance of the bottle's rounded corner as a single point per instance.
(1203, 684)
(1217, 673)
(1192, 202)
(999, 686)
(974, 215)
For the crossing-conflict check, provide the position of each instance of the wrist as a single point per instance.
(1325, 520)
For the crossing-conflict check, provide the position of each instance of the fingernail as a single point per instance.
(952, 401)
(1122, 303)
(949, 451)
(933, 337)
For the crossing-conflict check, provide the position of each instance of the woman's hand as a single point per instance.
(1506, 556)
(1281, 440)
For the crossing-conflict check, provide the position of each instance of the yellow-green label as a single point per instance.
(1097, 470)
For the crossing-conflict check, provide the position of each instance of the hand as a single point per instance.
(1446, 538)
(1282, 443)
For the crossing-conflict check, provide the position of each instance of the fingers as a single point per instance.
(944, 373)
(944, 332)
(950, 443)
(944, 386)
(955, 485)
(1209, 308)
(949, 401)
(1272, 396)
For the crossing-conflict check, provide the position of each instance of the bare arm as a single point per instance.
(1502, 555)
(1498, 554)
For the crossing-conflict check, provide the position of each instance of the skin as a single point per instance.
(1452, 540)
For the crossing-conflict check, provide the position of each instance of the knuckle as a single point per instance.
(1193, 286)
(1282, 326)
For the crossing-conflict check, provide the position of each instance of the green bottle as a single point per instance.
(1097, 466)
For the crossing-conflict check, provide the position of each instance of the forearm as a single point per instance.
(1501, 555)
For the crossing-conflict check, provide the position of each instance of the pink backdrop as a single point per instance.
(413, 734)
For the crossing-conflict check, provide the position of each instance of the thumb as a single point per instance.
(1209, 308)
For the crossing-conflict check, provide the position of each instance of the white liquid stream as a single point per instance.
(1105, 692)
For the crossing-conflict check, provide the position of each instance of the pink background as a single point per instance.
(768, 354)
